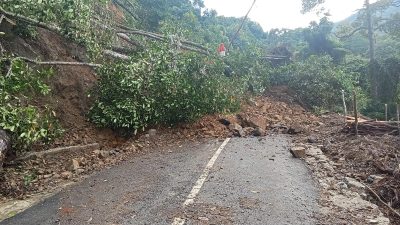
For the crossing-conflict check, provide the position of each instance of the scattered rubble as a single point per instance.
(359, 161)
(341, 197)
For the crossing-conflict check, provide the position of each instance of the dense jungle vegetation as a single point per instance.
(162, 82)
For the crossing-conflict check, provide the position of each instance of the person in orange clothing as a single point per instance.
(222, 50)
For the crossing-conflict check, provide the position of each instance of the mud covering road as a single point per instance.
(252, 181)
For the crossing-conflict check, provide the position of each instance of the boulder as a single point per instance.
(256, 122)
(5, 143)
(252, 121)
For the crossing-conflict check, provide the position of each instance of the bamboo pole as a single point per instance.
(386, 112)
(344, 107)
(398, 117)
(355, 111)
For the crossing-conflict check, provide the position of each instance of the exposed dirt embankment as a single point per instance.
(70, 86)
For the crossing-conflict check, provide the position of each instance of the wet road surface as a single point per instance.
(240, 181)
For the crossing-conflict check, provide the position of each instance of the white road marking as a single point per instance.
(200, 182)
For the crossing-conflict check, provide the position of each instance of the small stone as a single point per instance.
(312, 139)
(224, 122)
(295, 130)
(298, 152)
(373, 221)
(114, 152)
(75, 165)
(66, 175)
(47, 176)
(353, 183)
(203, 218)
(258, 132)
(104, 154)
(248, 130)
(80, 171)
(152, 132)
(342, 186)
(96, 153)
(364, 196)
(374, 179)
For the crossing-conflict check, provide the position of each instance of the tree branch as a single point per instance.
(30, 21)
(116, 55)
(351, 33)
(123, 50)
(380, 199)
(140, 32)
(60, 63)
(129, 40)
(162, 38)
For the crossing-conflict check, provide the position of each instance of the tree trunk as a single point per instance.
(5, 143)
(372, 69)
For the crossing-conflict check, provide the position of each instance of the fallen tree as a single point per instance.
(371, 127)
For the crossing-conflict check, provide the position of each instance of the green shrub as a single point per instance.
(318, 83)
(75, 18)
(161, 87)
(19, 84)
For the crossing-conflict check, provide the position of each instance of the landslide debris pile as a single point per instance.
(274, 113)
(371, 159)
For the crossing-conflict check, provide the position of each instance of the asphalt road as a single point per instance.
(244, 181)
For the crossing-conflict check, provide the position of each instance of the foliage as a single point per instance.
(318, 83)
(320, 42)
(397, 97)
(74, 17)
(18, 85)
(162, 87)
(309, 5)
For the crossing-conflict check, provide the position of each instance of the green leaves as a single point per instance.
(25, 122)
(160, 87)
(318, 82)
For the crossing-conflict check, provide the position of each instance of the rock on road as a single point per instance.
(253, 181)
